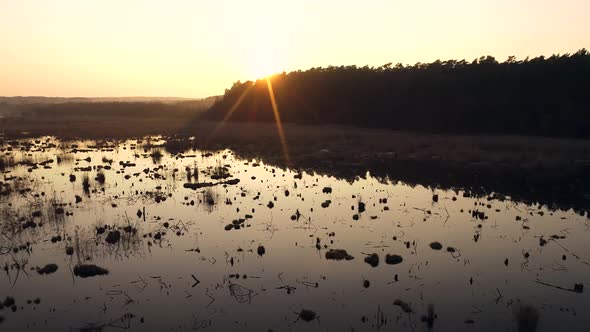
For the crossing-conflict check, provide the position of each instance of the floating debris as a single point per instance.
(47, 269)
(338, 254)
(241, 293)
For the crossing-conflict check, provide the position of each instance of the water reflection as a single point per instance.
(99, 235)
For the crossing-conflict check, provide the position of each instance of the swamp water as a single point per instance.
(101, 236)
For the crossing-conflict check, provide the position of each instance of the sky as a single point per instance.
(198, 48)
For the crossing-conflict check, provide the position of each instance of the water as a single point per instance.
(176, 267)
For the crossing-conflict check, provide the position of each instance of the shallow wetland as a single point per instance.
(111, 234)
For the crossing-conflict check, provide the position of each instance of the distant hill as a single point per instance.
(23, 100)
(539, 96)
(49, 107)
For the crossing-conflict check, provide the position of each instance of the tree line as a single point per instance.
(546, 96)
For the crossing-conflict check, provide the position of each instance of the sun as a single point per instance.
(263, 63)
(263, 70)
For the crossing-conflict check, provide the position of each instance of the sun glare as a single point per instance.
(263, 68)
(263, 72)
(263, 63)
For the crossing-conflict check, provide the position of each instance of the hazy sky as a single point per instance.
(198, 48)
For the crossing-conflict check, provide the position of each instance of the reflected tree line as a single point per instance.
(545, 96)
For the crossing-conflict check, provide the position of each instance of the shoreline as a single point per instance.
(550, 171)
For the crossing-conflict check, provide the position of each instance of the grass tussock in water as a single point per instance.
(89, 270)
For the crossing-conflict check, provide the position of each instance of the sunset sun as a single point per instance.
(263, 69)
(263, 64)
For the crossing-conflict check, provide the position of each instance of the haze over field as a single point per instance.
(199, 48)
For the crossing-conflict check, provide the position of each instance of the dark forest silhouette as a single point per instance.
(539, 96)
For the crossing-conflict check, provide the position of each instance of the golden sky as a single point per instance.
(197, 48)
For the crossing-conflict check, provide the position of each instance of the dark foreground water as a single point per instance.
(101, 236)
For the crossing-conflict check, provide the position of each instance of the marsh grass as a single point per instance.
(209, 199)
(219, 171)
(156, 156)
(86, 184)
(100, 178)
(64, 158)
(6, 163)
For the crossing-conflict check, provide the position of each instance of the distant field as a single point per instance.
(43, 108)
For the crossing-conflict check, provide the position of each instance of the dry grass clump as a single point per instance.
(338, 254)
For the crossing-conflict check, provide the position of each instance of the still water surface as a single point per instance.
(188, 247)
